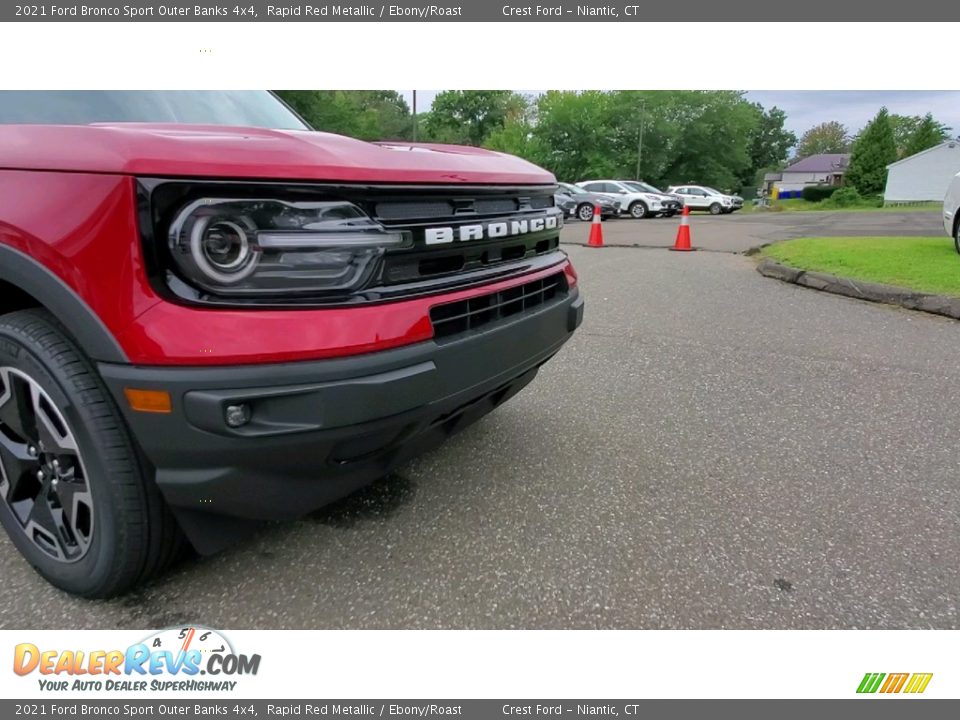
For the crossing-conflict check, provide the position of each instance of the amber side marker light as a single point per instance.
(149, 401)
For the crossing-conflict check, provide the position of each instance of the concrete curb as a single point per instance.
(873, 292)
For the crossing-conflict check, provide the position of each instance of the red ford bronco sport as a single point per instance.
(211, 315)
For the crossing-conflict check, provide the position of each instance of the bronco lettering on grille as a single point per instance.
(500, 229)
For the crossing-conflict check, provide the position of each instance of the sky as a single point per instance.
(806, 108)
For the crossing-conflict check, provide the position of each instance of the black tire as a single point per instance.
(715, 209)
(956, 236)
(638, 210)
(133, 535)
(585, 212)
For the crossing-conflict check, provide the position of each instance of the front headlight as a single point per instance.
(244, 247)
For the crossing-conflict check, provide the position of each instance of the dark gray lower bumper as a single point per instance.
(320, 430)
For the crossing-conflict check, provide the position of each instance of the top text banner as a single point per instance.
(482, 11)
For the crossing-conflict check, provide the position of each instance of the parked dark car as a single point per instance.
(585, 200)
(566, 203)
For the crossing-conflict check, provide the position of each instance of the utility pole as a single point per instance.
(643, 119)
(414, 115)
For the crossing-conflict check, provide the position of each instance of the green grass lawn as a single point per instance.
(925, 264)
(801, 205)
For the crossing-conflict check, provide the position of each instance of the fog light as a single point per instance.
(238, 415)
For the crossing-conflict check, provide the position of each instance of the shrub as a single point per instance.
(817, 193)
(845, 197)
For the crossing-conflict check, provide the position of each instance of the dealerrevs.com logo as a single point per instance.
(177, 659)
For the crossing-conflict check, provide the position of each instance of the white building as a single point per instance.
(923, 177)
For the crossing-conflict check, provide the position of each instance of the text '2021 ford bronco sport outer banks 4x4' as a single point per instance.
(212, 315)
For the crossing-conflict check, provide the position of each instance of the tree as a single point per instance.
(471, 116)
(711, 146)
(573, 135)
(873, 150)
(827, 137)
(913, 133)
(903, 127)
(928, 133)
(771, 141)
(687, 135)
(516, 137)
(364, 114)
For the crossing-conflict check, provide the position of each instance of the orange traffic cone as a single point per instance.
(596, 232)
(683, 232)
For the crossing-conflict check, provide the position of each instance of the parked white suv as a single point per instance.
(951, 211)
(701, 197)
(638, 204)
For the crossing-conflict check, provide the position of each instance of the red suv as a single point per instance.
(211, 315)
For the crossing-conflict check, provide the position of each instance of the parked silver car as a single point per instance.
(702, 197)
(638, 204)
(586, 200)
(671, 204)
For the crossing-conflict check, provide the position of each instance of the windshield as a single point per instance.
(641, 186)
(572, 189)
(249, 108)
(711, 191)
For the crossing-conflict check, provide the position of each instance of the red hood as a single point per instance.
(239, 152)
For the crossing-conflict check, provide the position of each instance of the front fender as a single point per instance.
(91, 334)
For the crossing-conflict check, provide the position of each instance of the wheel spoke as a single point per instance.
(44, 523)
(76, 504)
(16, 406)
(16, 464)
(52, 431)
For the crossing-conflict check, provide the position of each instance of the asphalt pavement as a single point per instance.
(713, 449)
(739, 232)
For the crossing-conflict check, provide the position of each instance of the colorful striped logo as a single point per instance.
(894, 683)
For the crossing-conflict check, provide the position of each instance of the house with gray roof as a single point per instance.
(822, 169)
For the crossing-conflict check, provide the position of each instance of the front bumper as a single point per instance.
(609, 209)
(319, 430)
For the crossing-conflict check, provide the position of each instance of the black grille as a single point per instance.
(456, 318)
(416, 207)
(495, 206)
(414, 210)
(541, 202)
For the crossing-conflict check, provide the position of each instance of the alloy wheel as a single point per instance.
(42, 476)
